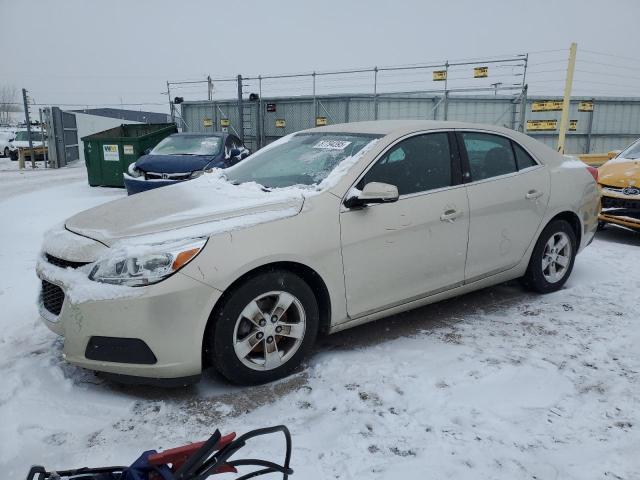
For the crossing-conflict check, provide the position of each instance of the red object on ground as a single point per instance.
(176, 457)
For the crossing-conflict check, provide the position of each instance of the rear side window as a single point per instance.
(489, 155)
(523, 159)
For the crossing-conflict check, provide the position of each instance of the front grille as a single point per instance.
(613, 202)
(167, 176)
(60, 262)
(52, 297)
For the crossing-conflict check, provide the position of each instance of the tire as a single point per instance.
(541, 279)
(6, 152)
(230, 333)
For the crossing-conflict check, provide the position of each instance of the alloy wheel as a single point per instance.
(269, 330)
(556, 257)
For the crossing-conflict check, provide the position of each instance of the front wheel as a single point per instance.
(552, 258)
(263, 329)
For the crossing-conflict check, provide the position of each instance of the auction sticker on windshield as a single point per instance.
(332, 144)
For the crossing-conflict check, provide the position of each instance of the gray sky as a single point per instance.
(107, 52)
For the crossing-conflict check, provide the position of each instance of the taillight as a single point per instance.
(594, 172)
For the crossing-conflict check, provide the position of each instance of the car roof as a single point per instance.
(387, 127)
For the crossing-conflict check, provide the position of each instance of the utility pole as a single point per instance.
(25, 101)
(173, 117)
(44, 150)
(564, 118)
(209, 88)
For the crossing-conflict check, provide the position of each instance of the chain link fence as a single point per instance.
(260, 109)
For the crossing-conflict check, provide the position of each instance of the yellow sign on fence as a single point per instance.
(585, 107)
(439, 75)
(207, 122)
(541, 125)
(480, 72)
(547, 106)
(225, 122)
(280, 123)
(321, 121)
(573, 125)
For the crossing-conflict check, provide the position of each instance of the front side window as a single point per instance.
(489, 155)
(417, 164)
(188, 145)
(303, 159)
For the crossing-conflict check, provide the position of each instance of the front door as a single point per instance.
(397, 252)
(508, 195)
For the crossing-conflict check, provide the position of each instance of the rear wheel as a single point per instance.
(552, 259)
(6, 152)
(263, 329)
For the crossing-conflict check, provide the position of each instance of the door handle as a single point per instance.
(533, 194)
(450, 215)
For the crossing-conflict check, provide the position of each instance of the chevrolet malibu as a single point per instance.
(320, 231)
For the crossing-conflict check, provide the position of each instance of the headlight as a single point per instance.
(133, 171)
(196, 174)
(149, 267)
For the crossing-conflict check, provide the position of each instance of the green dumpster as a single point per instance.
(108, 154)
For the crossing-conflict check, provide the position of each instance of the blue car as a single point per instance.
(183, 156)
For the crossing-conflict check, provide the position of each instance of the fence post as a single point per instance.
(590, 127)
(259, 120)
(315, 102)
(240, 112)
(523, 109)
(375, 93)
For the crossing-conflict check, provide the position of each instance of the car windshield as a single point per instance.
(305, 159)
(632, 152)
(23, 136)
(188, 145)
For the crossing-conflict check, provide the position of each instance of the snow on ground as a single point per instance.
(497, 384)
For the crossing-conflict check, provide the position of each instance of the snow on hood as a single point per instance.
(208, 204)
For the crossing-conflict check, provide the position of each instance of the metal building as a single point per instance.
(598, 124)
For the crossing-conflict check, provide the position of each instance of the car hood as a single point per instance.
(197, 208)
(173, 163)
(620, 172)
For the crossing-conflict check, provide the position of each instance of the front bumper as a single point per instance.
(139, 184)
(620, 209)
(169, 317)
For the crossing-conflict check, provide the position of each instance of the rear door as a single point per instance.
(397, 252)
(508, 195)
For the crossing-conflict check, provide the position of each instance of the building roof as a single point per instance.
(132, 115)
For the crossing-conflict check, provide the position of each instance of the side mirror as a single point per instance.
(373, 192)
(11, 140)
(614, 153)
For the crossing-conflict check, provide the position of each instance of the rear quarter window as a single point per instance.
(523, 159)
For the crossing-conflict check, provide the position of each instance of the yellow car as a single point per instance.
(619, 179)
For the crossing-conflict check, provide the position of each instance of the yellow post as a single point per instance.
(564, 118)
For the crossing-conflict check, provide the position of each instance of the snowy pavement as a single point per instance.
(498, 384)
